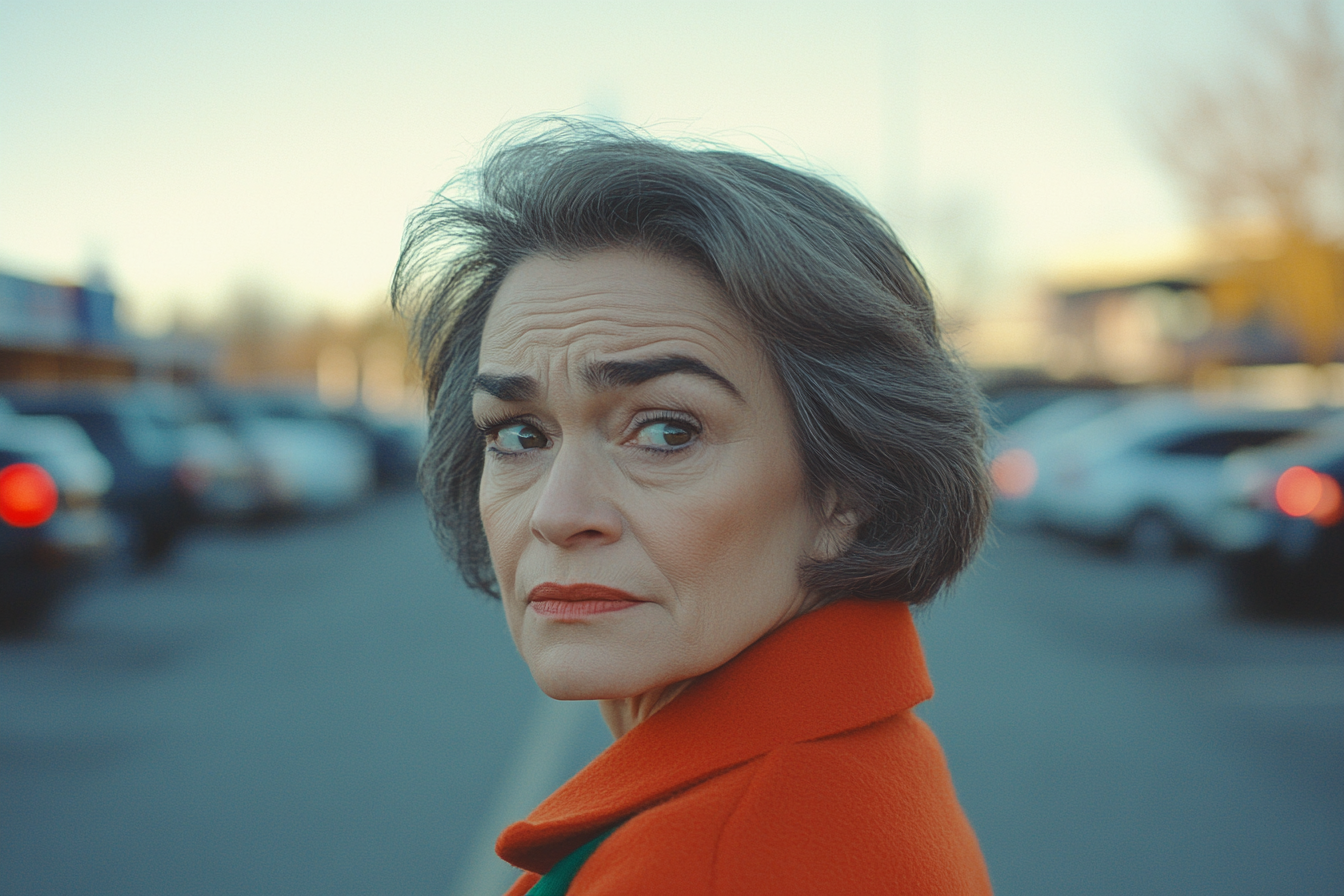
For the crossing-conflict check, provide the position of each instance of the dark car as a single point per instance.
(52, 524)
(1282, 527)
(224, 482)
(148, 494)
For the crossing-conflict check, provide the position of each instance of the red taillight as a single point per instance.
(28, 495)
(1014, 473)
(1330, 509)
(1301, 491)
(1297, 491)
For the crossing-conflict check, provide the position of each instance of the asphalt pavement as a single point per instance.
(321, 708)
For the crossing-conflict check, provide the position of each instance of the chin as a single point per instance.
(561, 689)
(577, 675)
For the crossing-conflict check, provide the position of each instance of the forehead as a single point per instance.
(605, 303)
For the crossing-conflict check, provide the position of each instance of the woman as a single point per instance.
(693, 421)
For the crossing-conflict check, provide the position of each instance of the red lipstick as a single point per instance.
(567, 602)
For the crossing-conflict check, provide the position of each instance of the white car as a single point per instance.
(309, 465)
(1146, 475)
(1025, 451)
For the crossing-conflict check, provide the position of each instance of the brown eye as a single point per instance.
(675, 435)
(518, 437)
(665, 434)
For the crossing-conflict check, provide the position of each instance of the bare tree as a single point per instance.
(1264, 140)
(1263, 144)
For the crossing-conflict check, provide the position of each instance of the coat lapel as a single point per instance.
(841, 667)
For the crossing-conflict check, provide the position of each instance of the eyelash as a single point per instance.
(684, 420)
(491, 427)
(494, 424)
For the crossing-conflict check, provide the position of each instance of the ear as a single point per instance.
(839, 527)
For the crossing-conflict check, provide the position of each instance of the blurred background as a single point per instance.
(232, 659)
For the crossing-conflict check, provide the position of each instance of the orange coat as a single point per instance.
(796, 768)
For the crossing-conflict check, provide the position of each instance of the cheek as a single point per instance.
(506, 519)
(743, 526)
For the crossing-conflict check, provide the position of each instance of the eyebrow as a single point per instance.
(604, 376)
(506, 386)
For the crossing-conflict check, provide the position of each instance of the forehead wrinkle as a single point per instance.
(528, 316)
(544, 324)
(584, 364)
(515, 337)
(552, 361)
(536, 304)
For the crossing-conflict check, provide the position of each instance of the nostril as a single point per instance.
(556, 532)
(571, 509)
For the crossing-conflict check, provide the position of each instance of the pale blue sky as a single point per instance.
(195, 146)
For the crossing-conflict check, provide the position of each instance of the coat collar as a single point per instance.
(844, 666)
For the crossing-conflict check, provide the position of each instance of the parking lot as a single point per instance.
(322, 708)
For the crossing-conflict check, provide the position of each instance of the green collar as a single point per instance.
(556, 881)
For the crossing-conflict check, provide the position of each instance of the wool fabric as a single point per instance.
(797, 767)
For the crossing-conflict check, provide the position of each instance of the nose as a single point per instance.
(574, 509)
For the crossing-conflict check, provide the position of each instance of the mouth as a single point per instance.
(568, 602)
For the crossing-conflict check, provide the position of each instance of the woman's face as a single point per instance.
(636, 440)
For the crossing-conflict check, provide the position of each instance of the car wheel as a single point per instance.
(1153, 537)
(1262, 586)
(154, 545)
(27, 599)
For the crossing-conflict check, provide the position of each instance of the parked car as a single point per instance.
(52, 523)
(310, 463)
(1280, 529)
(1027, 449)
(147, 495)
(222, 479)
(1145, 475)
(396, 444)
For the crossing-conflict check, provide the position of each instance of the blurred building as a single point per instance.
(60, 331)
(53, 331)
(1271, 309)
(364, 361)
(66, 332)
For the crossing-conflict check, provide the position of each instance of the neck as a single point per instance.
(624, 713)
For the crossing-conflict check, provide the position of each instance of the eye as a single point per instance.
(665, 434)
(513, 438)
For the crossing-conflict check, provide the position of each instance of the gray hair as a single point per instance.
(886, 419)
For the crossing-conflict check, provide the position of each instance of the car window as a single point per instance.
(1222, 442)
(154, 444)
(102, 431)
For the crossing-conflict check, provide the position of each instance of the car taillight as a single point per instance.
(1301, 491)
(1014, 473)
(28, 495)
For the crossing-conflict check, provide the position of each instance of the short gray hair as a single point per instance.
(887, 421)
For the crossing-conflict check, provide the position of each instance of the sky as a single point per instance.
(195, 150)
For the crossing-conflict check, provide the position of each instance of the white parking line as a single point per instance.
(537, 769)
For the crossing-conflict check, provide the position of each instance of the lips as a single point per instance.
(567, 602)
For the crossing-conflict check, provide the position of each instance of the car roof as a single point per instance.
(1174, 414)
